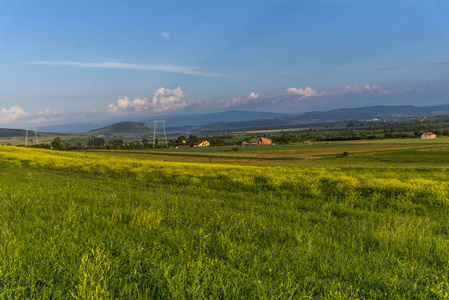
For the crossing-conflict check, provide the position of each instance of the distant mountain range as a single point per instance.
(343, 114)
(235, 120)
(172, 121)
(227, 116)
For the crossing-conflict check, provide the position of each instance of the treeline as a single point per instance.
(120, 144)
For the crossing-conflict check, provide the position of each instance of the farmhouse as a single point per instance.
(259, 141)
(428, 135)
(202, 143)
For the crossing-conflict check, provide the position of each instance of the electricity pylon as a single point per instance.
(26, 137)
(154, 131)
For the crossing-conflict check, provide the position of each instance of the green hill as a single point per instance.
(342, 114)
(8, 132)
(123, 129)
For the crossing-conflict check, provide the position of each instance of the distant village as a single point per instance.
(206, 143)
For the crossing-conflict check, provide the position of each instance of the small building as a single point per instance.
(428, 135)
(264, 141)
(202, 143)
(260, 141)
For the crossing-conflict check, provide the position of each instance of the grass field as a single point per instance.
(43, 138)
(387, 153)
(262, 223)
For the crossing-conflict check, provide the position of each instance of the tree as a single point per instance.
(181, 139)
(97, 142)
(193, 139)
(116, 142)
(145, 142)
(56, 143)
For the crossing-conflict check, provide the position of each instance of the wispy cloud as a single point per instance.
(116, 65)
(434, 63)
(165, 35)
(338, 1)
(389, 68)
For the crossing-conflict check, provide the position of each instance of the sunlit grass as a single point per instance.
(89, 226)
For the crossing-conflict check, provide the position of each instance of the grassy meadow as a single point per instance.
(386, 153)
(296, 222)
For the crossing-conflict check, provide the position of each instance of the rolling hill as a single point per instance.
(122, 129)
(343, 114)
(172, 120)
(7, 132)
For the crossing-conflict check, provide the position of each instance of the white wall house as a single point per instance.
(428, 135)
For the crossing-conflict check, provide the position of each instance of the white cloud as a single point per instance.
(17, 115)
(8, 116)
(46, 116)
(251, 98)
(309, 92)
(116, 65)
(308, 97)
(125, 107)
(165, 35)
(303, 93)
(366, 89)
(163, 100)
(166, 99)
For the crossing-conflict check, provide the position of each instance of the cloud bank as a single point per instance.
(303, 99)
(17, 114)
(236, 101)
(163, 100)
(291, 100)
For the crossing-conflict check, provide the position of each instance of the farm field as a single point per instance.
(287, 222)
(20, 140)
(388, 153)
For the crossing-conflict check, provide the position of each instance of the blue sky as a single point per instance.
(67, 61)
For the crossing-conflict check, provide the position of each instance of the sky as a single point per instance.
(78, 61)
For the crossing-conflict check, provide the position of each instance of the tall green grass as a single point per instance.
(86, 226)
